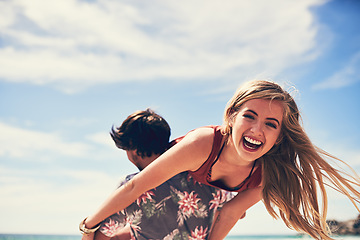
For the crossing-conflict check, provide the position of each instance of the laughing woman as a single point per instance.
(261, 152)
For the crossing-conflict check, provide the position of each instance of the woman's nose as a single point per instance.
(257, 128)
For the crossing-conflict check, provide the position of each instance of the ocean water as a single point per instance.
(78, 237)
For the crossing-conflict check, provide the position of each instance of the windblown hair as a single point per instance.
(144, 131)
(295, 172)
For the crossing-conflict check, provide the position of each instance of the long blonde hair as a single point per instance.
(294, 170)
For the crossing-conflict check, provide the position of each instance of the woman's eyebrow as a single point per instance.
(273, 119)
(252, 112)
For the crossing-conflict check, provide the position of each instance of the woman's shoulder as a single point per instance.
(203, 134)
(201, 140)
(199, 134)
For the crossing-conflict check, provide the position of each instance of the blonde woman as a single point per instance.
(261, 152)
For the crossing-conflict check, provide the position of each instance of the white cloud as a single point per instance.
(74, 44)
(258, 216)
(102, 138)
(339, 208)
(54, 197)
(346, 149)
(350, 155)
(49, 206)
(346, 76)
(36, 146)
(22, 143)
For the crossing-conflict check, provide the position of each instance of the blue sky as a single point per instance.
(69, 70)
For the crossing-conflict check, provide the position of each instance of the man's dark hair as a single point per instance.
(144, 131)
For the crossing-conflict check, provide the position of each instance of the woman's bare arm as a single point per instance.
(189, 154)
(232, 211)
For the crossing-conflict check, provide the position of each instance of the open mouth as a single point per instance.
(251, 144)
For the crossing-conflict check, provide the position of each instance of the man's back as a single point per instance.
(180, 208)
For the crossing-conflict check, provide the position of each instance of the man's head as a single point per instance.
(143, 133)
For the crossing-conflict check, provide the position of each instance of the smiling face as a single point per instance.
(255, 128)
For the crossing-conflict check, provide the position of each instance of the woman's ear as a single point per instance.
(231, 120)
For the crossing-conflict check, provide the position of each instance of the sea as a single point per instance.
(250, 237)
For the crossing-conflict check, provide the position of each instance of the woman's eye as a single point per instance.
(248, 116)
(272, 125)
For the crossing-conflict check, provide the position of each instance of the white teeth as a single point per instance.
(253, 141)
